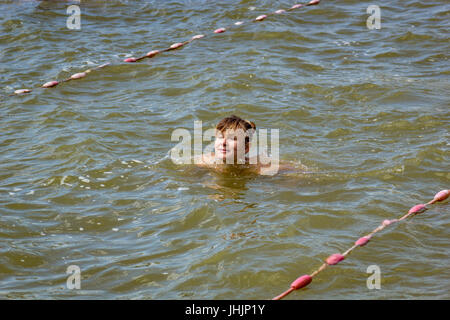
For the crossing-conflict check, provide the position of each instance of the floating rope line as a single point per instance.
(334, 259)
(151, 54)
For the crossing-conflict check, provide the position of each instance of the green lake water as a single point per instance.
(86, 178)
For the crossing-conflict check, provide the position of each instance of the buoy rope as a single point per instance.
(334, 259)
(151, 54)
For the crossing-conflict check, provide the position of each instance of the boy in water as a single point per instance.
(231, 150)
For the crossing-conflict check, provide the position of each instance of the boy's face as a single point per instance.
(230, 145)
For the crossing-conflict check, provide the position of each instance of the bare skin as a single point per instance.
(226, 157)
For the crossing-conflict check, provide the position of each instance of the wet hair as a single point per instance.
(235, 123)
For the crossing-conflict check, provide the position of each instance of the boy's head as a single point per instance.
(233, 139)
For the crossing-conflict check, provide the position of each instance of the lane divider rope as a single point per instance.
(335, 258)
(153, 53)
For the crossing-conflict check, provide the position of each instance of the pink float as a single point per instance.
(220, 30)
(20, 91)
(78, 75)
(441, 195)
(334, 259)
(50, 84)
(417, 209)
(199, 36)
(152, 53)
(176, 45)
(261, 17)
(362, 241)
(301, 282)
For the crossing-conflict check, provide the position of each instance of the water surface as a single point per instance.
(85, 177)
